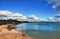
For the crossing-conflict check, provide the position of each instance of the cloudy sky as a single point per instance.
(40, 8)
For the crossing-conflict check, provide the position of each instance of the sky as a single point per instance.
(40, 8)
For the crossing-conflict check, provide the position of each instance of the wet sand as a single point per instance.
(12, 35)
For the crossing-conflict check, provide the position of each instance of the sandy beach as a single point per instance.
(9, 35)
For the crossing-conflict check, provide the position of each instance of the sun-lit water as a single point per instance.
(41, 30)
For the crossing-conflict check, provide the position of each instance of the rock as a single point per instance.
(13, 36)
(8, 35)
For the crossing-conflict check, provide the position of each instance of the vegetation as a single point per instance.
(10, 21)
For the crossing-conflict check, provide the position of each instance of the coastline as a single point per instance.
(12, 35)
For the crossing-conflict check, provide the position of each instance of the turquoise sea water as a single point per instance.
(41, 30)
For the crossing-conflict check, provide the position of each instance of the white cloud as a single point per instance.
(43, 19)
(11, 15)
(5, 13)
(59, 19)
(51, 19)
(54, 6)
(57, 2)
(33, 17)
(54, 19)
(58, 14)
(17, 14)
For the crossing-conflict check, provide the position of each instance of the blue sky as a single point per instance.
(40, 8)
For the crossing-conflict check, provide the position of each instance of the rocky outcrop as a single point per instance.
(8, 35)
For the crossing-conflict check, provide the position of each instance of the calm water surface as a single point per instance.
(41, 30)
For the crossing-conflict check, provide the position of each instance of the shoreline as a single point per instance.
(12, 35)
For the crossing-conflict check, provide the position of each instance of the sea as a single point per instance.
(40, 30)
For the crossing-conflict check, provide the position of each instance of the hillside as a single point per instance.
(10, 21)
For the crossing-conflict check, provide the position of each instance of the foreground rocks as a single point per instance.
(11, 35)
